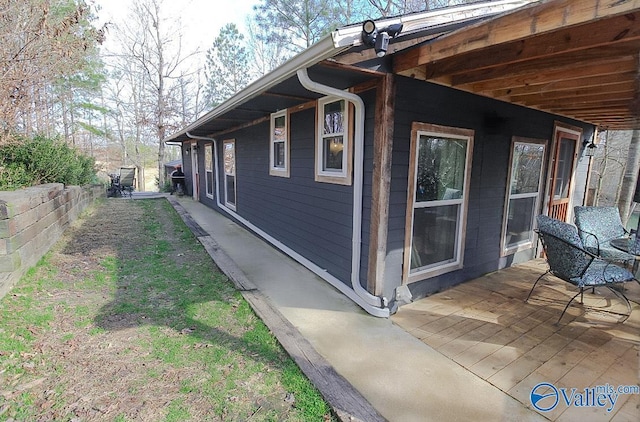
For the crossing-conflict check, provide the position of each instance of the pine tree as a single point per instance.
(226, 66)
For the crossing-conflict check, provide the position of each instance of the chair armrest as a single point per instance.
(588, 235)
(559, 263)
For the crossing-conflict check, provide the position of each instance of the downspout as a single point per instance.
(378, 311)
(358, 171)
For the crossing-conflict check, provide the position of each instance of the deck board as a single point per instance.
(485, 326)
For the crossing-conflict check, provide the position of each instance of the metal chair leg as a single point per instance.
(534, 284)
(623, 297)
(569, 303)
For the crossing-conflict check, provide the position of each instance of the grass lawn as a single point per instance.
(127, 318)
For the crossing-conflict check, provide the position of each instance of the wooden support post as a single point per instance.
(381, 183)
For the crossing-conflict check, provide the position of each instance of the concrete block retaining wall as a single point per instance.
(31, 222)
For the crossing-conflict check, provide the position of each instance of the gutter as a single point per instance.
(320, 272)
(358, 172)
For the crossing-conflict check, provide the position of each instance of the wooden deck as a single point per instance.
(485, 326)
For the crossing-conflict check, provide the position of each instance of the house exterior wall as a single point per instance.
(313, 218)
(494, 123)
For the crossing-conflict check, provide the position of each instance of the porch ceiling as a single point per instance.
(576, 58)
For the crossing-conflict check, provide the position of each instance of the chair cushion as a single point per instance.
(566, 262)
(559, 229)
(603, 222)
(609, 252)
(602, 272)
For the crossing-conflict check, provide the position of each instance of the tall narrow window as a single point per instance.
(523, 194)
(229, 155)
(279, 145)
(438, 186)
(333, 144)
(208, 168)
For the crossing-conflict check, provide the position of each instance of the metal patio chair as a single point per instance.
(127, 179)
(597, 227)
(569, 261)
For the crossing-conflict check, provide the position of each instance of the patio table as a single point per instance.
(628, 245)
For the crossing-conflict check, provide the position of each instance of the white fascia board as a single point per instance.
(415, 22)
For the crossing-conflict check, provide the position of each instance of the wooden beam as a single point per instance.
(602, 33)
(521, 24)
(613, 91)
(532, 75)
(561, 85)
(381, 183)
(601, 114)
(575, 109)
(570, 63)
(286, 96)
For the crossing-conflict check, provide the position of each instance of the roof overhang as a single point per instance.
(575, 58)
(339, 60)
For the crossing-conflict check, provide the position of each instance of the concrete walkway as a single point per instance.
(401, 377)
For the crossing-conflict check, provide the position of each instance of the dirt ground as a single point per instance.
(83, 367)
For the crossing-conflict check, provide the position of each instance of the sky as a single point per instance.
(201, 19)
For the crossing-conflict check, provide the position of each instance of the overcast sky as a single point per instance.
(201, 19)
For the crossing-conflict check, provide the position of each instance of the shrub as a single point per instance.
(39, 160)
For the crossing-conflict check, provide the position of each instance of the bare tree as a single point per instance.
(388, 8)
(42, 41)
(151, 47)
(300, 22)
(630, 177)
(608, 167)
(266, 52)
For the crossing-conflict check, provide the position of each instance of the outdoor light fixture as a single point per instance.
(591, 149)
(379, 39)
(369, 33)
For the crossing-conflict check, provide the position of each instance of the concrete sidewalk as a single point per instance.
(401, 377)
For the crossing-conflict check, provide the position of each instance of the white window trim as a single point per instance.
(418, 129)
(206, 173)
(344, 176)
(235, 184)
(527, 244)
(273, 170)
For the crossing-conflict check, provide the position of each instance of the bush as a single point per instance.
(29, 162)
(168, 186)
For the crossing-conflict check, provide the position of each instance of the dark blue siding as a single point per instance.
(494, 123)
(310, 217)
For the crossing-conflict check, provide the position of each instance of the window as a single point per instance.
(523, 194)
(438, 187)
(564, 168)
(229, 152)
(333, 143)
(208, 169)
(279, 145)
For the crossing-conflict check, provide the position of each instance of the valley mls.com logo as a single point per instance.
(546, 396)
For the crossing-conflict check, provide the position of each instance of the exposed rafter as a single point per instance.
(577, 58)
